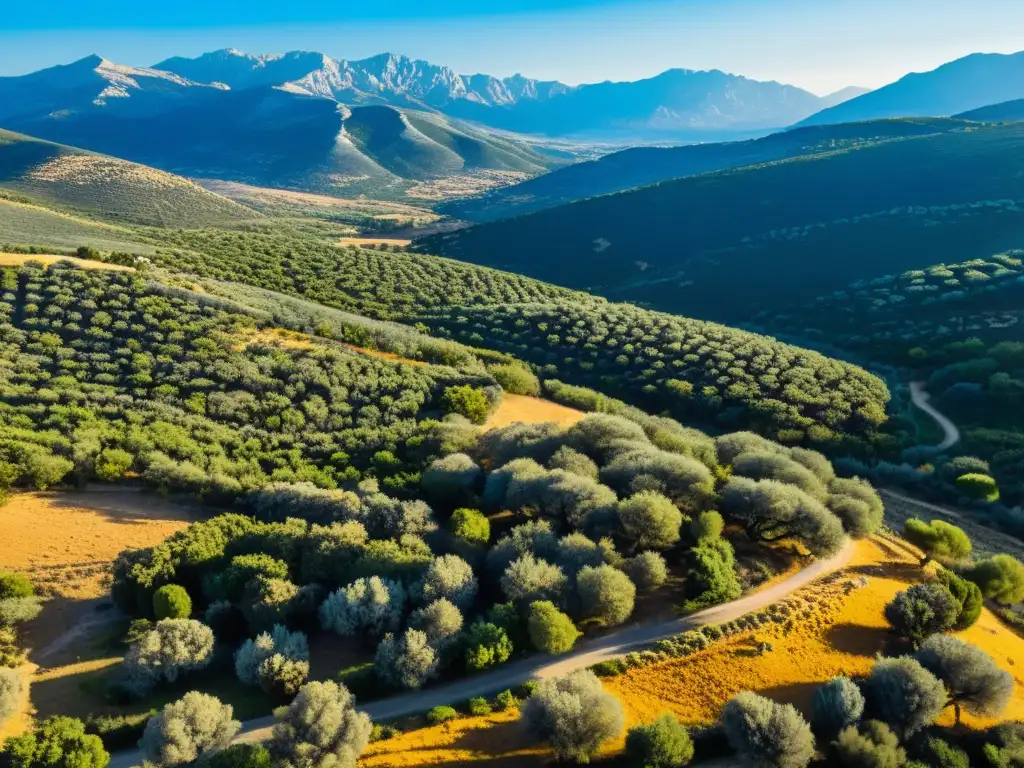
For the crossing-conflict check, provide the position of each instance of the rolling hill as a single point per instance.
(728, 244)
(642, 166)
(108, 188)
(968, 83)
(1004, 112)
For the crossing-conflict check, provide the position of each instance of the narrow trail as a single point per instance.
(920, 398)
(543, 667)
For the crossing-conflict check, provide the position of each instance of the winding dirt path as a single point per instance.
(920, 398)
(542, 667)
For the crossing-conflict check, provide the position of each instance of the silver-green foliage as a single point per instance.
(186, 730)
(574, 714)
(320, 729)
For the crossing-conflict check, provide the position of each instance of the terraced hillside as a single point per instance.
(108, 188)
(726, 245)
(642, 166)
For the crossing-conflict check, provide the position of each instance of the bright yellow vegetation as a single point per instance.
(531, 410)
(17, 259)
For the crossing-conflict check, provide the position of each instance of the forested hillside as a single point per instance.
(725, 245)
(108, 188)
(641, 166)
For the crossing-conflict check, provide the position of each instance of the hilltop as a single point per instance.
(108, 188)
(728, 244)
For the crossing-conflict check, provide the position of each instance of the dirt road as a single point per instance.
(542, 667)
(920, 398)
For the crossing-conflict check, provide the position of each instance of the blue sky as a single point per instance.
(820, 45)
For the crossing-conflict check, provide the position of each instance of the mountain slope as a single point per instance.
(107, 187)
(641, 166)
(1004, 112)
(725, 245)
(968, 83)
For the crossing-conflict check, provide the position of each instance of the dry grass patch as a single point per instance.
(531, 410)
(465, 184)
(365, 242)
(17, 259)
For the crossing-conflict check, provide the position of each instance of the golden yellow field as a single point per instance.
(837, 634)
(531, 410)
(17, 259)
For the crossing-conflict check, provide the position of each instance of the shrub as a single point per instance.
(441, 620)
(171, 602)
(970, 676)
(407, 661)
(943, 755)
(1000, 578)
(174, 647)
(712, 576)
(573, 461)
(959, 466)
(487, 646)
(921, 611)
(12, 690)
(450, 577)
(977, 486)
(707, 526)
(647, 571)
(267, 602)
(967, 595)
(765, 733)
(873, 746)
(606, 593)
(857, 504)
(111, 464)
(665, 743)
(479, 707)
(383, 733)
(574, 714)
(471, 526)
(837, 705)
(466, 401)
(18, 610)
(441, 714)
(367, 607)
(533, 538)
(57, 742)
(15, 585)
(528, 579)
(551, 631)
(938, 540)
(650, 521)
(506, 700)
(904, 695)
(246, 568)
(451, 480)
(772, 465)
(320, 729)
(186, 730)
(516, 379)
(241, 756)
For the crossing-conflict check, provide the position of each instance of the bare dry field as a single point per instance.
(365, 242)
(17, 259)
(65, 542)
(531, 410)
(464, 184)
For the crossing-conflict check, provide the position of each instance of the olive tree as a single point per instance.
(487, 645)
(470, 526)
(684, 480)
(573, 461)
(921, 611)
(647, 570)
(763, 465)
(450, 577)
(171, 601)
(174, 647)
(765, 733)
(967, 595)
(406, 661)
(649, 520)
(605, 593)
(770, 510)
(972, 679)
(837, 704)
(938, 540)
(186, 730)
(451, 480)
(440, 620)
(904, 695)
(857, 504)
(367, 607)
(320, 729)
(277, 661)
(574, 714)
(532, 538)
(528, 579)
(665, 743)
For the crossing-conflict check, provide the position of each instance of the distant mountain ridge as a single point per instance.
(956, 87)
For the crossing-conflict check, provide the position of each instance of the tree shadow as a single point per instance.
(857, 639)
(906, 572)
(800, 695)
